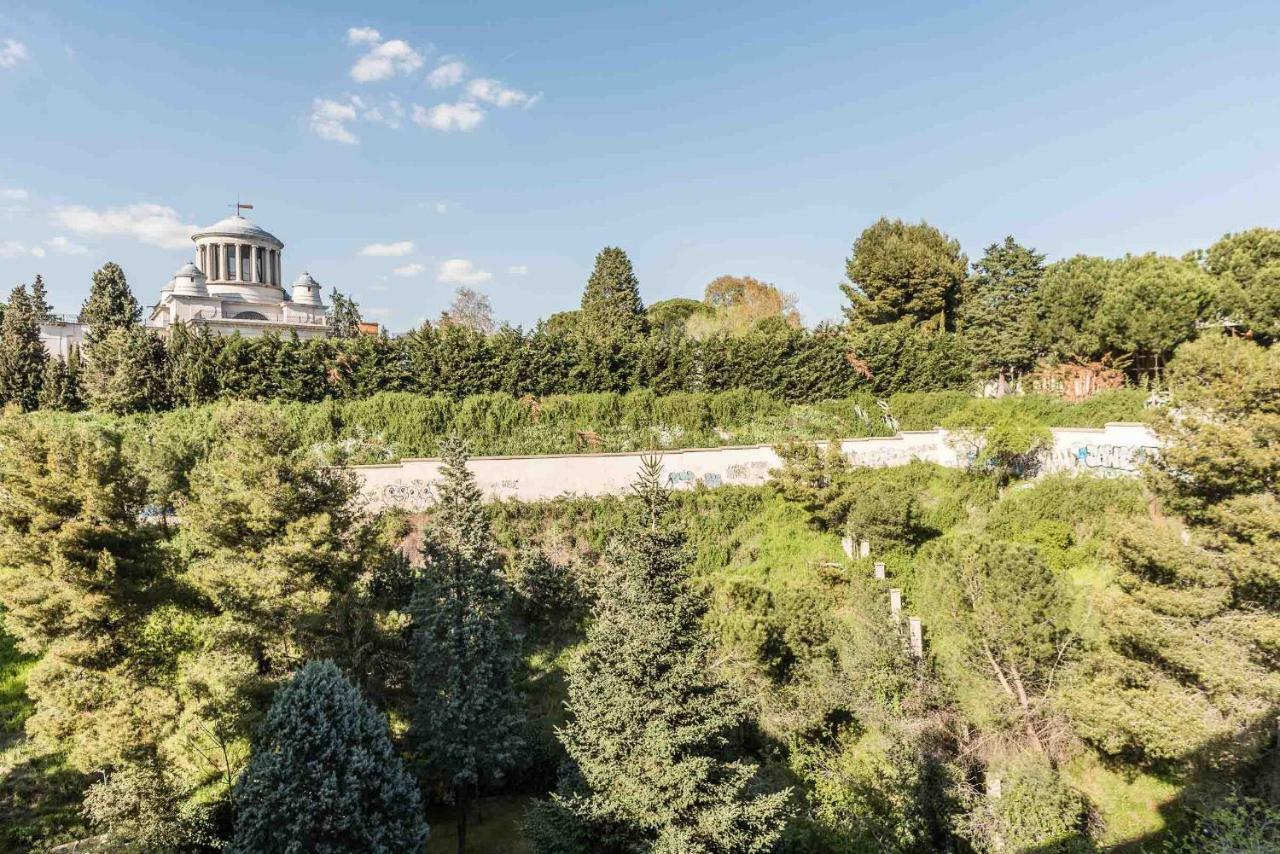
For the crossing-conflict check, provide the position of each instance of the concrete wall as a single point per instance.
(1114, 451)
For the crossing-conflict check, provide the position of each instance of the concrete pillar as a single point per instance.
(917, 636)
(879, 571)
(847, 544)
(993, 783)
(864, 548)
(895, 604)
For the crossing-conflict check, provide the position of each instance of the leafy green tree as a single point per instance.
(193, 365)
(738, 304)
(1000, 616)
(1007, 443)
(324, 776)
(111, 305)
(344, 316)
(468, 715)
(1001, 310)
(611, 304)
(126, 370)
(40, 301)
(140, 807)
(899, 271)
(1070, 296)
(1152, 305)
(672, 315)
(1248, 267)
(651, 724)
(22, 354)
(1036, 811)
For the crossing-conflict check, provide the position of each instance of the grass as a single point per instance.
(498, 833)
(1131, 805)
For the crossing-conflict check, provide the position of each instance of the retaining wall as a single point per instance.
(1112, 451)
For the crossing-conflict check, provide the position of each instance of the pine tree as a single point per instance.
(193, 368)
(650, 732)
(324, 776)
(40, 301)
(468, 714)
(111, 305)
(127, 370)
(611, 304)
(344, 316)
(60, 387)
(899, 271)
(22, 354)
(1001, 309)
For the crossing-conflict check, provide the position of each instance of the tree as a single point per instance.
(126, 370)
(905, 272)
(324, 776)
(111, 305)
(193, 366)
(1248, 266)
(651, 724)
(738, 304)
(467, 715)
(471, 309)
(1070, 295)
(1008, 443)
(22, 354)
(672, 315)
(1152, 305)
(611, 304)
(1001, 310)
(344, 316)
(60, 387)
(40, 301)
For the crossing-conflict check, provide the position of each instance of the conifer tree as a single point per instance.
(40, 301)
(611, 304)
(468, 714)
(651, 726)
(60, 387)
(904, 272)
(344, 316)
(22, 355)
(111, 305)
(324, 776)
(1001, 309)
(127, 370)
(193, 369)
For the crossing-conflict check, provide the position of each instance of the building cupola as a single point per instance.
(306, 291)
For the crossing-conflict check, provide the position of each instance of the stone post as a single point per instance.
(879, 571)
(895, 604)
(917, 636)
(847, 544)
(864, 548)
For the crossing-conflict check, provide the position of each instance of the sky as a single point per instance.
(401, 150)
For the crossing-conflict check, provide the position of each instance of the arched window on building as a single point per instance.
(250, 315)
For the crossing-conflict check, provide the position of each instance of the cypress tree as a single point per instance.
(22, 355)
(344, 316)
(324, 776)
(650, 732)
(193, 368)
(127, 371)
(468, 714)
(1001, 309)
(60, 387)
(611, 304)
(111, 305)
(40, 301)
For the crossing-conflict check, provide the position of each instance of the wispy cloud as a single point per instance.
(329, 121)
(442, 207)
(363, 35)
(409, 270)
(387, 250)
(447, 74)
(460, 271)
(152, 224)
(63, 246)
(493, 92)
(385, 60)
(462, 116)
(14, 249)
(518, 270)
(13, 53)
(14, 194)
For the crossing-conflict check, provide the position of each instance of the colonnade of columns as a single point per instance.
(240, 262)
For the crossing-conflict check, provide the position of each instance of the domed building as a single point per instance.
(235, 284)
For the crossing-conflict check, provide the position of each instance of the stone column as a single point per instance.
(917, 636)
(864, 548)
(847, 544)
(895, 604)
(879, 571)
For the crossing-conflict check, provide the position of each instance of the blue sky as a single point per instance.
(704, 138)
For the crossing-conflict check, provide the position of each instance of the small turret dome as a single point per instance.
(188, 281)
(306, 291)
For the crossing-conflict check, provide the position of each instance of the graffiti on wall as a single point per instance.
(1103, 459)
(411, 495)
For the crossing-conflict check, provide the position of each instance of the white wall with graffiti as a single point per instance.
(1116, 450)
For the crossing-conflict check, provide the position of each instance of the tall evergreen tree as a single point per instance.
(40, 301)
(60, 387)
(899, 271)
(651, 725)
(1000, 317)
(611, 304)
(111, 305)
(22, 355)
(468, 715)
(126, 370)
(344, 316)
(193, 366)
(324, 776)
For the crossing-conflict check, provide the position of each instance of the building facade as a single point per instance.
(234, 285)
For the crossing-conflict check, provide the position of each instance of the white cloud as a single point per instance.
(518, 270)
(13, 194)
(409, 270)
(447, 74)
(154, 225)
(63, 246)
(460, 271)
(14, 249)
(387, 250)
(462, 116)
(442, 207)
(13, 53)
(385, 60)
(493, 92)
(363, 35)
(329, 121)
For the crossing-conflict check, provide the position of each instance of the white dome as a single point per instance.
(238, 226)
(306, 291)
(188, 281)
